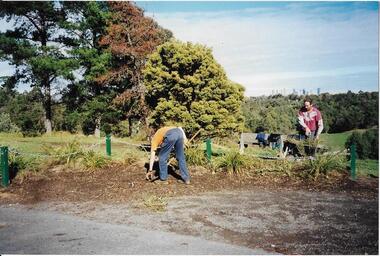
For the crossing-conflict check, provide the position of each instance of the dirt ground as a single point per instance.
(272, 212)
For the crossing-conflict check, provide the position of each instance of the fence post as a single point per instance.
(4, 166)
(353, 161)
(241, 144)
(108, 144)
(208, 149)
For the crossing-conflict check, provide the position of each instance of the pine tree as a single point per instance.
(33, 47)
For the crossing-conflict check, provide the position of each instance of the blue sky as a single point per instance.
(271, 47)
(282, 46)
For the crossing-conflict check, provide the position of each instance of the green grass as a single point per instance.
(367, 167)
(336, 141)
(35, 145)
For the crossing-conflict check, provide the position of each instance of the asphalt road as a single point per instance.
(27, 231)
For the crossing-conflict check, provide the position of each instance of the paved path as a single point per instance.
(24, 231)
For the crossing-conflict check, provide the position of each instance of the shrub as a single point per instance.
(92, 160)
(65, 154)
(367, 143)
(323, 164)
(6, 124)
(234, 162)
(195, 156)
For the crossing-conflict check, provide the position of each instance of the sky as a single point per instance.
(279, 47)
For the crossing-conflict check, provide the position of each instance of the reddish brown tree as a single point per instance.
(130, 38)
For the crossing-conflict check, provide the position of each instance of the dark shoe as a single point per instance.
(161, 182)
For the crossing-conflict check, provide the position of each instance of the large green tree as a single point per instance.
(87, 101)
(34, 48)
(185, 84)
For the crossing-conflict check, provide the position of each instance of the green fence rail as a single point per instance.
(208, 149)
(108, 144)
(4, 166)
(353, 161)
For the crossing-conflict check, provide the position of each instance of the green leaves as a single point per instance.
(185, 84)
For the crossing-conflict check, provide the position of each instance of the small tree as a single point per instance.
(185, 84)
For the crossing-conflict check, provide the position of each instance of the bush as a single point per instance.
(6, 124)
(196, 156)
(92, 160)
(65, 154)
(367, 143)
(323, 164)
(234, 162)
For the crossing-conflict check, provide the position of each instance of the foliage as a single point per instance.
(367, 143)
(196, 156)
(130, 37)
(6, 124)
(64, 154)
(270, 114)
(185, 84)
(234, 162)
(33, 47)
(92, 160)
(323, 164)
(26, 112)
(340, 112)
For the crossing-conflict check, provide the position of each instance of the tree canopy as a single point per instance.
(185, 84)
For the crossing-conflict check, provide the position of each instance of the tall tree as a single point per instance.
(130, 38)
(85, 25)
(185, 84)
(34, 48)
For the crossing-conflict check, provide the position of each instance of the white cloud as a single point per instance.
(265, 49)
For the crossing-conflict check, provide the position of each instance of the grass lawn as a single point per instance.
(367, 167)
(28, 146)
(336, 141)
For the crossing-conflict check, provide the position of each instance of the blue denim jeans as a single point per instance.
(173, 139)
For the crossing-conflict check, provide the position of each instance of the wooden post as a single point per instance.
(241, 144)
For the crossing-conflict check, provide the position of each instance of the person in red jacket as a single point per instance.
(310, 120)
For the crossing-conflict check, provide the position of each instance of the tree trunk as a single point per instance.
(129, 127)
(47, 92)
(47, 105)
(97, 127)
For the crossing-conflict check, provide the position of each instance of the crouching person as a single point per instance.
(169, 138)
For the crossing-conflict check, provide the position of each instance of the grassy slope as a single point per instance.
(336, 143)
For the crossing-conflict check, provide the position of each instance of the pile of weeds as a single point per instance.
(155, 203)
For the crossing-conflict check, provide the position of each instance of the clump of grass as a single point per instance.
(64, 154)
(92, 160)
(195, 156)
(155, 203)
(234, 162)
(323, 164)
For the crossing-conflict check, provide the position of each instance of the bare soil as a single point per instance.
(273, 212)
